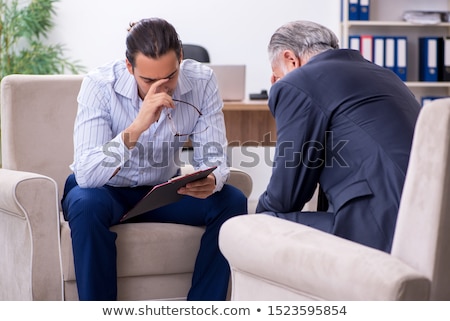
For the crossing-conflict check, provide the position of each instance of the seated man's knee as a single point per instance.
(87, 204)
(236, 199)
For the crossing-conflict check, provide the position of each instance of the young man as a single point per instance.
(343, 122)
(133, 118)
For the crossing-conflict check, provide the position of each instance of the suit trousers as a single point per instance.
(92, 211)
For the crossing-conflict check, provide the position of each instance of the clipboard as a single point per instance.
(165, 193)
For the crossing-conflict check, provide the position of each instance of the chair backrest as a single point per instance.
(37, 118)
(422, 236)
(195, 52)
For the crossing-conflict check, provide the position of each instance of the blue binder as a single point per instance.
(430, 58)
(427, 99)
(354, 42)
(390, 58)
(379, 53)
(353, 9)
(364, 9)
(401, 49)
(446, 60)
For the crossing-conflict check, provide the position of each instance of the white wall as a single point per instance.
(233, 31)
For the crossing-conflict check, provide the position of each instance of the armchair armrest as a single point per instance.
(29, 237)
(275, 259)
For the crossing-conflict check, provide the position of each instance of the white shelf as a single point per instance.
(385, 19)
(356, 23)
(425, 84)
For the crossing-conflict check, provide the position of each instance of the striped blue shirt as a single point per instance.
(108, 102)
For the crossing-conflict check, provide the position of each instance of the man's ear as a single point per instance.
(291, 59)
(129, 66)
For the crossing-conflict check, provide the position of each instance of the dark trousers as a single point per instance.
(92, 211)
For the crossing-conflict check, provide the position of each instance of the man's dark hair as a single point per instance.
(152, 37)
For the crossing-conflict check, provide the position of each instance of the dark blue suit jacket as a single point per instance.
(347, 124)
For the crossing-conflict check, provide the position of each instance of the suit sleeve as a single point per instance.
(299, 152)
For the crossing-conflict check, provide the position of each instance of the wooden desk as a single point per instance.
(249, 123)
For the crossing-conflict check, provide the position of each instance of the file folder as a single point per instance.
(430, 58)
(446, 68)
(353, 9)
(428, 99)
(367, 47)
(390, 54)
(364, 9)
(378, 50)
(401, 47)
(354, 42)
(165, 193)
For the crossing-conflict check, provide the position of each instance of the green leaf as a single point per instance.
(23, 30)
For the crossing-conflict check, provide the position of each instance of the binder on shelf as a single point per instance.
(364, 9)
(390, 58)
(378, 50)
(353, 9)
(430, 58)
(446, 58)
(401, 45)
(427, 99)
(367, 46)
(354, 42)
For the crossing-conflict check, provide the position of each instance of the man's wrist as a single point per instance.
(130, 137)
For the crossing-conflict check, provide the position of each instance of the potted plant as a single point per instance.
(23, 30)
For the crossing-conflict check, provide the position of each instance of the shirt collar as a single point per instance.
(126, 86)
(184, 84)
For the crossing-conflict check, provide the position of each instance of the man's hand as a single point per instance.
(150, 111)
(274, 79)
(154, 102)
(201, 188)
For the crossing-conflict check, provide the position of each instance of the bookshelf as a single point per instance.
(385, 19)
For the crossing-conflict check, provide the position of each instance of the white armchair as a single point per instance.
(274, 259)
(155, 260)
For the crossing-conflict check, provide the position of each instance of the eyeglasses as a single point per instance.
(172, 123)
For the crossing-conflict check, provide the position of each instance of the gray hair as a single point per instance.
(304, 38)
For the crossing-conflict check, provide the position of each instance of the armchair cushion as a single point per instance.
(136, 240)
